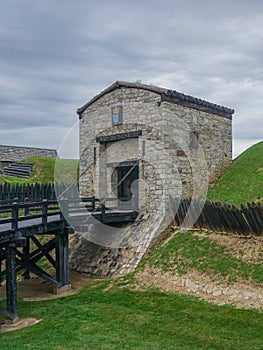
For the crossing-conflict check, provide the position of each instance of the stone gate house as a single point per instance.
(145, 145)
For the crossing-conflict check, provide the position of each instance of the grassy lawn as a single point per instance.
(122, 319)
(43, 171)
(186, 251)
(243, 181)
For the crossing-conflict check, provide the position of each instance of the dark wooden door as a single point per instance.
(126, 176)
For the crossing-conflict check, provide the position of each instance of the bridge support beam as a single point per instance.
(26, 252)
(62, 259)
(11, 288)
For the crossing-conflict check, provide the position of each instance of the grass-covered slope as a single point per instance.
(44, 168)
(228, 258)
(104, 318)
(243, 181)
(115, 315)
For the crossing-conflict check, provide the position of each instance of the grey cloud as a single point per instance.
(56, 57)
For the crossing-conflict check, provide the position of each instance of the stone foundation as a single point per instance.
(121, 253)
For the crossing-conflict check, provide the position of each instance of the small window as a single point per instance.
(116, 115)
(193, 144)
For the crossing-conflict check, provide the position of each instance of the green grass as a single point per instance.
(243, 181)
(43, 171)
(122, 319)
(185, 251)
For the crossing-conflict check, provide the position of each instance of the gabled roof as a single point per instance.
(172, 96)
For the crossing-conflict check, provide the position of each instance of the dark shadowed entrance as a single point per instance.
(127, 186)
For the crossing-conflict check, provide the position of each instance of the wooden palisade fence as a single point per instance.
(221, 217)
(35, 192)
(191, 212)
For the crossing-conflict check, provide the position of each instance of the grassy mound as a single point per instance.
(243, 181)
(43, 171)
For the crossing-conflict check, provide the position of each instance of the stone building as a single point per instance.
(132, 131)
(146, 145)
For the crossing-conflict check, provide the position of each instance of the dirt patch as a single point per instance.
(241, 294)
(215, 289)
(247, 248)
(21, 323)
(35, 289)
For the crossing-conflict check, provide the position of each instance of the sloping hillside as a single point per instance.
(243, 181)
(43, 171)
(224, 269)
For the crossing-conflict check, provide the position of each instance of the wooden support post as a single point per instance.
(62, 263)
(11, 291)
(26, 251)
(2, 256)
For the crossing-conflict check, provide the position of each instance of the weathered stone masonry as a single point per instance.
(177, 143)
(16, 153)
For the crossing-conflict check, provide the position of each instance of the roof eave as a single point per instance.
(167, 95)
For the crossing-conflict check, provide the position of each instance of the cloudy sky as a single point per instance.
(56, 55)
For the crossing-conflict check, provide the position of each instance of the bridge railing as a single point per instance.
(17, 212)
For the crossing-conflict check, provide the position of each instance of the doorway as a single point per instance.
(127, 184)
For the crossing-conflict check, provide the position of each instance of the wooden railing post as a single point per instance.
(44, 213)
(15, 215)
(64, 208)
(93, 203)
(26, 211)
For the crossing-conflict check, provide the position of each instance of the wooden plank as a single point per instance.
(258, 217)
(250, 218)
(190, 215)
(234, 223)
(221, 216)
(244, 228)
(44, 249)
(29, 265)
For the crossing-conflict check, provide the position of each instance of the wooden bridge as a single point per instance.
(21, 224)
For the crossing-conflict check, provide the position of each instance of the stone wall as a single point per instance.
(162, 147)
(114, 251)
(15, 153)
